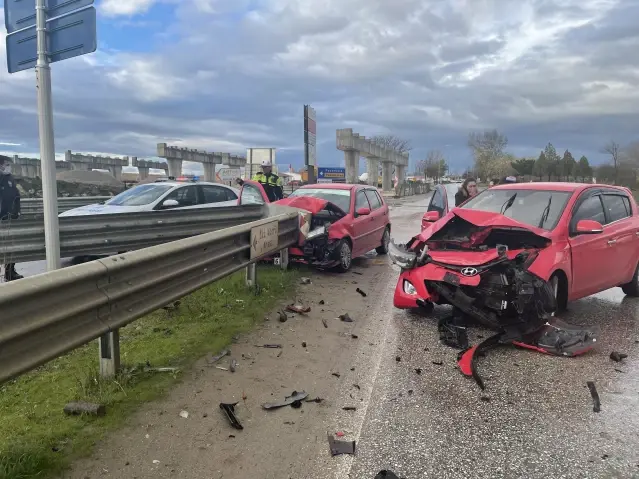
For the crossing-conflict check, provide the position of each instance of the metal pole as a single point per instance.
(47, 145)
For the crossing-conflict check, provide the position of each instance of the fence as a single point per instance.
(411, 188)
(48, 315)
(23, 239)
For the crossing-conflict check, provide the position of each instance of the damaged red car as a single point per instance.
(515, 254)
(346, 221)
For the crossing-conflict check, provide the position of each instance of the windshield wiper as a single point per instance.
(507, 204)
(545, 214)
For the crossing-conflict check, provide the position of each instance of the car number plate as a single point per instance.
(451, 278)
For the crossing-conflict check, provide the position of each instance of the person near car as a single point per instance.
(9, 207)
(272, 184)
(467, 190)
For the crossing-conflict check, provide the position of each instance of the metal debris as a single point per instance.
(596, 403)
(229, 410)
(269, 346)
(349, 408)
(288, 401)
(340, 447)
(324, 323)
(298, 308)
(232, 365)
(214, 359)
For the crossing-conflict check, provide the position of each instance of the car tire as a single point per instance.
(345, 256)
(559, 288)
(383, 248)
(632, 288)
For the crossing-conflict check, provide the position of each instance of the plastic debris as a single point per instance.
(617, 356)
(214, 359)
(596, 403)
(418, 370)
(304, 344)
(305, 280)
(184, 414)
(283, 317)
(155, 461)
(361, 292)
(317, 400)
(324, 323)
(232, 365)
(229, 410)
(438, 363)
(322, 302)
(337, 375)
(349, 408)
(340, 447)
(398, 358)
(354, 336)
(79, 408)
(384, 474)
(269, 346)
(298, 308)
(346, 318)
(293, 398)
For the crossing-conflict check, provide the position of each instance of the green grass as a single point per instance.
(38, 440)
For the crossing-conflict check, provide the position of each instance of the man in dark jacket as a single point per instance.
(9, 207)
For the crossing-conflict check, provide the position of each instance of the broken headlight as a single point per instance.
(316, 232)
(402, 257)
(409, 288)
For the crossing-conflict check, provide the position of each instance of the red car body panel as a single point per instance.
(590, 263)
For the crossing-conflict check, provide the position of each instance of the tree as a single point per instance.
(393, 142)
(605, 173)
(524, 166)
(488, 152)
(552, 160)
(582, 169)
(541, 166)
(435, 165)
(612, 148)
(568, 164)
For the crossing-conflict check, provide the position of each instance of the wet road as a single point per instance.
(534, 420)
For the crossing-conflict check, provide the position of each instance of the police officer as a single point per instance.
(271, 183)
(9, 207)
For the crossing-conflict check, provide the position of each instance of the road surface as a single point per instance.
(535, 419)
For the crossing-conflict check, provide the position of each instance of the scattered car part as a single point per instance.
(349, 408)
(398, 358)
(232, 365)
(317, 400)
(346, 318)
(361, 292)
(596, 403)
(321, 302)
(384, 474)
(418, 370)
(451, 333)
(269, 346)
(340, 447)
(337, 375)
(294, 397)
(305, 280)
(617, 356)
(438, 363)
(214, 359)
(229, 410)
(324, 323)
(298, 308)
(283, 317)
(303, 344)
(80, 408)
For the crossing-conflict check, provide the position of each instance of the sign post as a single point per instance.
(310, 143)
(41, 32)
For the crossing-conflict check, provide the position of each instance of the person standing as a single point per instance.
(272, 184)
(467, 190)
(9, 207)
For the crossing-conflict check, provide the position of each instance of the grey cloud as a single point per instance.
(466, 51)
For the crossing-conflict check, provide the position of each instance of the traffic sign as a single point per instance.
(19, 14)
(67, 37)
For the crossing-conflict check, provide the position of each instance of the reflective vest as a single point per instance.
(272, 185)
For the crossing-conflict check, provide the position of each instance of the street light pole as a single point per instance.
(47, 145)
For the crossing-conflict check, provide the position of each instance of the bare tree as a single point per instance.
(393, 142)
(488, 151)
(612, 148)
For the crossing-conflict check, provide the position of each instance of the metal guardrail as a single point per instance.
(50, 314)
(410, 188)
(23, 239)
(34, 206)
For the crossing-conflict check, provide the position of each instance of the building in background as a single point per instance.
(254, 159)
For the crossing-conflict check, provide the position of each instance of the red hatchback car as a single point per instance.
(347, 221)
(520, 249)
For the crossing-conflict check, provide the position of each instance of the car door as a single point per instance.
(622, 227)
(252, 193)
(212, 196)
(186, 196)
(379, 216)
(362, 225)
(592, 254)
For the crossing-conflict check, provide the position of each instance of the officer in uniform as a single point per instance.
(9, 207)
(271, 183)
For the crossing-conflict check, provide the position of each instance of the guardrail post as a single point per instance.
(109, 354)
(251, 275)
(284, 259)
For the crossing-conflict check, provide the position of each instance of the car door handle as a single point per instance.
(611, 242)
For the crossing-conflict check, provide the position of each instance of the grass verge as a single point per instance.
(38, 440)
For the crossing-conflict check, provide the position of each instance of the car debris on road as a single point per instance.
(340, 447)
(596, 403)
(293, 400)
(229, 411)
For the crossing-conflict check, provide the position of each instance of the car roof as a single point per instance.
(554, 186)
(186, 183)
(333, 186)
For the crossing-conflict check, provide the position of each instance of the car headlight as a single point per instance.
(409, 288)
(402, 257)
(316, 232)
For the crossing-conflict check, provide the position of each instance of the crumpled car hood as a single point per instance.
(310, 203)
(482, 219)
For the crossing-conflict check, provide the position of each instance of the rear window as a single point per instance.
(340, 198)
(616, 208)
(540, 208)
(140, 195)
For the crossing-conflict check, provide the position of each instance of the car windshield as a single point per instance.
(340, 198)
(538, 208)
(139, 195)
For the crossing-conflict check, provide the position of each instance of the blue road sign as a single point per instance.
(19, 14)
(67, 37)
(335, 175)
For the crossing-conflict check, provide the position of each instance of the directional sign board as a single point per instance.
(19, 14)
(264, 239)
(69, 36)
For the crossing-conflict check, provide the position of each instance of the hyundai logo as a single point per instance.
(469, 271)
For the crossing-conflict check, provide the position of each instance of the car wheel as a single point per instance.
(560, 292)
(383, 248)
(345, 257)
(632, 288)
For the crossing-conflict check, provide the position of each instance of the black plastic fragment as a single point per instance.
(229, 410)
(269, 346)
(438, 363)
(349, 408)
(361, 292)
(596, 403)
(452, 334)
(384, 474)
(340, 447)
(418, 370)
(217, 357)
(617, 357)
(346, 318)
(293, 398)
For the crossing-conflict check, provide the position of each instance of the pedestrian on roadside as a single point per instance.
(467, 190)
(9, 207)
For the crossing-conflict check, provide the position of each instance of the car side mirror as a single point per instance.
(588, 227)
(170, 204)
(432, 216)
(363, 212)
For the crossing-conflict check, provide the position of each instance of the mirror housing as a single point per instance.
(170, 204)
(432, 216)
(363, 212)
(588, 227)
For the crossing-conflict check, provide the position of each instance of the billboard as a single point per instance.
(254, 159)
(331, 175)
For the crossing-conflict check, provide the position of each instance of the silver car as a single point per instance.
(163, 195)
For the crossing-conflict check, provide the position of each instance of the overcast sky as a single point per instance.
(224, 75)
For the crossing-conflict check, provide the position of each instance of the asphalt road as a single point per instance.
(534, 420)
